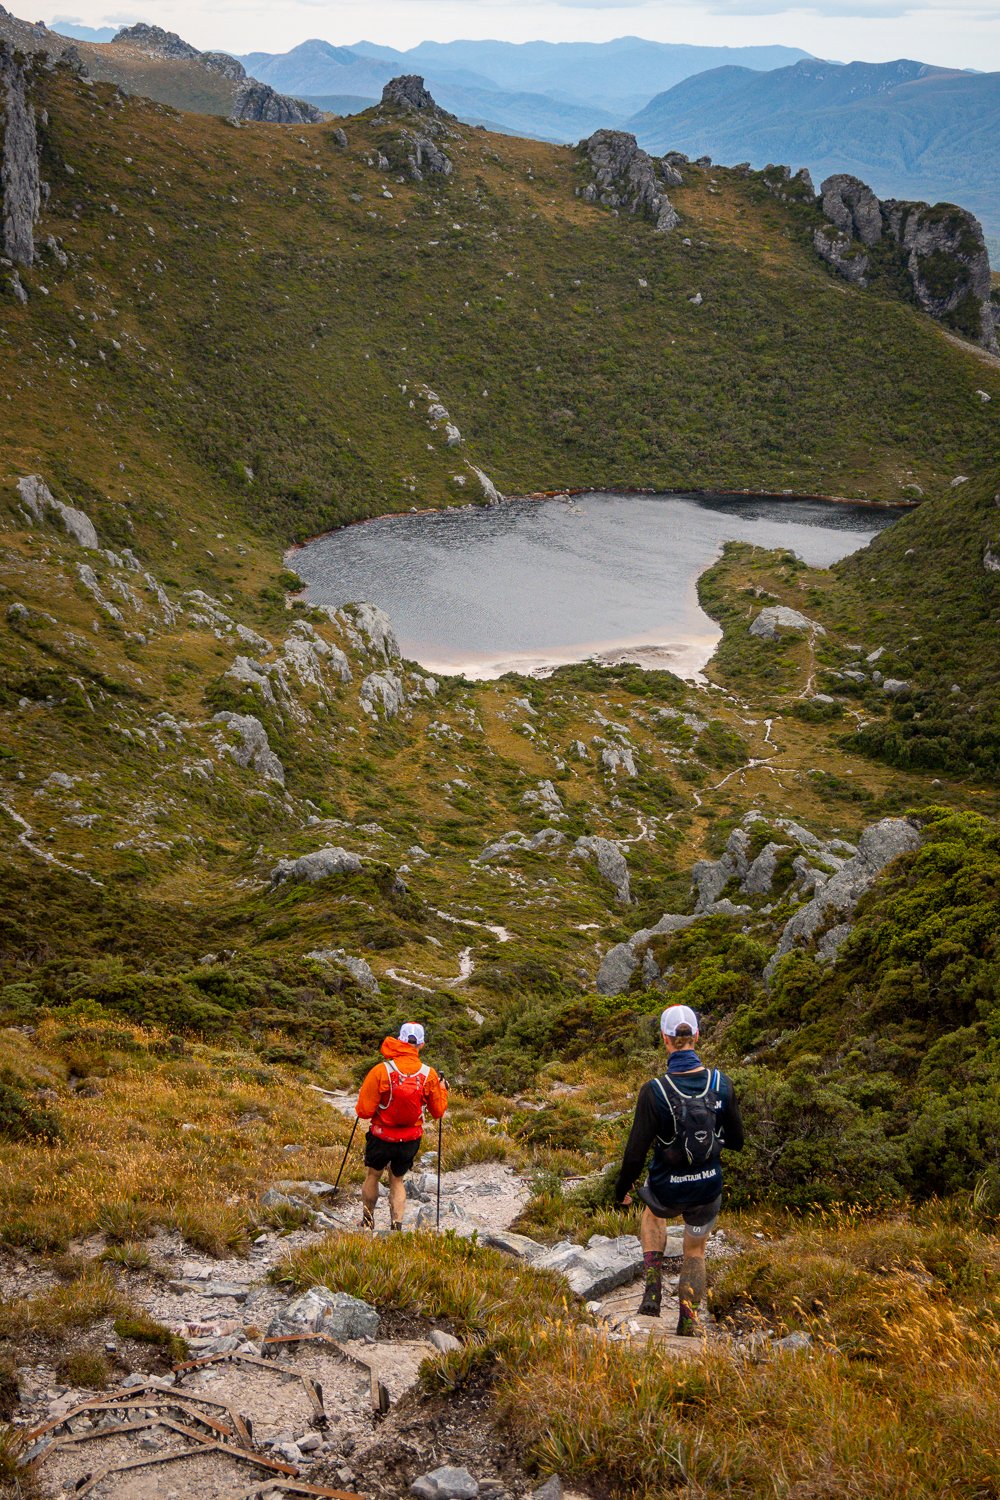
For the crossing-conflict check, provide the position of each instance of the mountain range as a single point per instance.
(909, 130)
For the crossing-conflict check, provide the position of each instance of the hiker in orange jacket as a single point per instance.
(394, 1096)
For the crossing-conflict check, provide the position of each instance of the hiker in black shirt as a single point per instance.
(687, 1117)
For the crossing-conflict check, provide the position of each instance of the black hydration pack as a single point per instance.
(697, 1141)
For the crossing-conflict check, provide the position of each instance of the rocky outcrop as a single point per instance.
(845, 255)
(941, 249)
(853, 208)
(949, 267)
(625, 179)
(358, 969)
(620, 962)
(221, 62)
(610, 862)
(252, 100)
(154, 41)
(425, 156)
(789, 188)
(20, 185)
(501, 849)
(770, 622)
(258, 101)
(827, 879)
(837, 897)
(252, 747)
(369, 629)
(38, 503)
(320, 865)
(408, 93)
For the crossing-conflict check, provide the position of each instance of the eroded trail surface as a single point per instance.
(311, 1394)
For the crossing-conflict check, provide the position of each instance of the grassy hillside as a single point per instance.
(241, 349)
(293, 300)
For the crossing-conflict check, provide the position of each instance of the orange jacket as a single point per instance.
(375, 1092)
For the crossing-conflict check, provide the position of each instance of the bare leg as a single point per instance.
(652, 1232)
(397, 1198)
(691, 1287)
(369, 1197)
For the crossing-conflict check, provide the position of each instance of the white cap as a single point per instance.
(412, 1031)
(676, 1016)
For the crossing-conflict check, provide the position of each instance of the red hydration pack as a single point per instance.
(401, 1118)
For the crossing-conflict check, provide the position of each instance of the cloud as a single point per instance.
(859, 10)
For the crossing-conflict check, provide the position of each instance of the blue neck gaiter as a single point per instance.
(686, 1061)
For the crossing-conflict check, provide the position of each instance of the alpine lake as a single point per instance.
(530, 585)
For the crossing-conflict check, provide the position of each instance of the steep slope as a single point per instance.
(244, 840)
(910, 130)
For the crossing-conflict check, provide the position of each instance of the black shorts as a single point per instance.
(398, 1156)
(699, 1218)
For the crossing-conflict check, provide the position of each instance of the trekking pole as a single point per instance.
(350, 1143)
(440, 1137)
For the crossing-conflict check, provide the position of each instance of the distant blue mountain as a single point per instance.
(909, 130)
(80, 33)
(556, 90)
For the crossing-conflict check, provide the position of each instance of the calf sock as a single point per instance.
(690, 1291)
(649, 1307)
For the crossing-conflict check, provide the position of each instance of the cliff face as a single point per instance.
(941, 248)
(948, 264)
(258, 101)
(20, 187)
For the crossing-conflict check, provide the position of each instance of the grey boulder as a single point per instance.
(316, 866)
(321, 1311)
(770, 622)
(359, 970)
(596, 1268)
(446, 1483)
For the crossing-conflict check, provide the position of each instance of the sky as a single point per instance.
(951, 33)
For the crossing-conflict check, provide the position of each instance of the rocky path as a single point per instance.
(301, 1395)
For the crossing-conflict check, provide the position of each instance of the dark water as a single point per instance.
(536, 583)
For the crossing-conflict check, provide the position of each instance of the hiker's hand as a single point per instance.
(626, 1201)
(444, 1083)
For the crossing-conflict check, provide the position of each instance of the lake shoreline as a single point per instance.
(571, 494)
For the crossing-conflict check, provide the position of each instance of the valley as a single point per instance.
(246, 837)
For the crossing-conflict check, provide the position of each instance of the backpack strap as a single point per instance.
(658, 1083)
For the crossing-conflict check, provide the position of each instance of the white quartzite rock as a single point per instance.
(369, 628)
(38, 501)
(383, 690)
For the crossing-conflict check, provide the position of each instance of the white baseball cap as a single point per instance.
(676, 1016)
(412, 1031)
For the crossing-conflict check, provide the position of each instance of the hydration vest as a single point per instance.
(696, 1143)
(401, 1117)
